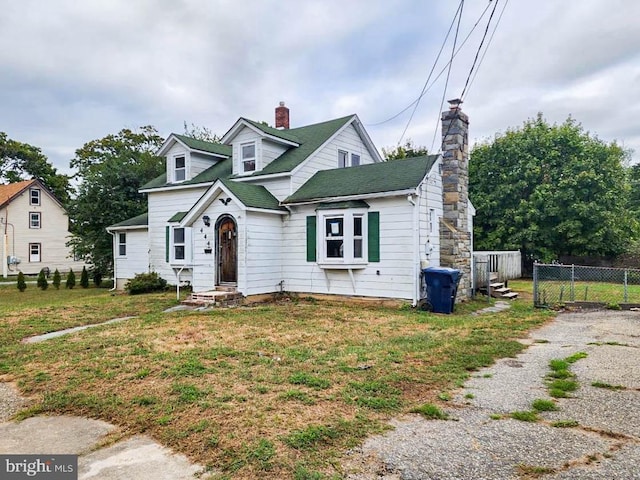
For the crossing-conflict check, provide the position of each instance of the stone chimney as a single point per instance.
(455, 238)
(282, 117)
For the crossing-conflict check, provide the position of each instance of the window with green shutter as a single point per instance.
(374, 236)
(311, 238)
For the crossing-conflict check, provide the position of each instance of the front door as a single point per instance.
(227, 250)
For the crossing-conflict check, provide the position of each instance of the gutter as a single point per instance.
(415, 247)
(115, 277)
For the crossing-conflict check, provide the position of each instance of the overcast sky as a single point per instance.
(72, 71)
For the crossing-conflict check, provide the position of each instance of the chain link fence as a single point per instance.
(561, 284)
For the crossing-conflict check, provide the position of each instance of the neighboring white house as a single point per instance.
(313, 209)
(34, 230)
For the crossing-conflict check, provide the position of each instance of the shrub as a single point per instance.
(71, 279)
(84, 278)
(146, 283)
(97, 277)
(42, 281)
(22, 285)
(56, 279)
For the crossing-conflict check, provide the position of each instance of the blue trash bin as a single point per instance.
(442, 286)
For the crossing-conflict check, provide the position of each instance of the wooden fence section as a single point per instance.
(497, 266)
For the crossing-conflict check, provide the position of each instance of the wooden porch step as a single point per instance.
(510, 295)
(496, 285)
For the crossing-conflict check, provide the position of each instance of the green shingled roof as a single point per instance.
(177, 217)
(372, 178)
(138, 221)
(254, 196)
(309, 138)
(204, 146)
(221, 169)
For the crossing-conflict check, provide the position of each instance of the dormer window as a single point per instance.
(180, 169)
(248, 157)
(345, 159)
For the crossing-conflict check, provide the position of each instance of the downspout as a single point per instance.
(115, 276)
(416, 240)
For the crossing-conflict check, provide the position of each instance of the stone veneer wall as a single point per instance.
(455, 238)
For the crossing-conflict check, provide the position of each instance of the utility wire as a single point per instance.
(424, 92)
(475, 60)
(424, 87)
(488, 45)
(446, 83)
(486, 30)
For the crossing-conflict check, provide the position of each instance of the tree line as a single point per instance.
(546, 189)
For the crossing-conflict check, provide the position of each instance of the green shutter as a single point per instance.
(311, 239)
(166, 244)
(373, 220)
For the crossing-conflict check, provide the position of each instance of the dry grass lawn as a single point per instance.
(278, 390)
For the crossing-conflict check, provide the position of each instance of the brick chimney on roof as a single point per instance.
(282, 117)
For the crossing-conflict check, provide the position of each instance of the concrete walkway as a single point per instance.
(137, 457)
(604, 444)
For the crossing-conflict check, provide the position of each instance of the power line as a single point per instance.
(446, 83)
(486, 30)
(424, 91)
(424, 87)
(488, 44)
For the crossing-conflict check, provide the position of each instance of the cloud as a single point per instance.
(75, 71)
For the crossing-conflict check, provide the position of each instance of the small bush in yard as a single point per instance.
(84, 278)
(22, 285)
(97, 278)
(146, 283)
(56, 279)
(71, 279)
(42, 281)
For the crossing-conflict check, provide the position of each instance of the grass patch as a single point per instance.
(535, 471)
(270, 391)
(544, 405)
(565, 424)
(469, 396)
(525, 416)
(431, 411)
(608, 386)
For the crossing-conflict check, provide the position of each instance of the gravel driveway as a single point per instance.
(605, 444)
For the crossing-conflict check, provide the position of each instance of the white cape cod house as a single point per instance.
(313, 209)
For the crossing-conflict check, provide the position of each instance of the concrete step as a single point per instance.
(222, 298)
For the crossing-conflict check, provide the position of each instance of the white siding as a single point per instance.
(263, 245)
(175, 151)
(204, 270)
(52, 235)
(279, 187)
(136, 259)
(199, 163)
(327, 157)
(431, 201)
(271, 151)
(245, 135)
(162, 206)
(392, 277)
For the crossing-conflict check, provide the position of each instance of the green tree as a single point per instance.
(21, 161)
(84, 278)
(111, 170)
(42, 281)
(407, 150)
(22, 285)
(200, 133)
(56, 279)
(71, 280)
(550, 190)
